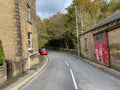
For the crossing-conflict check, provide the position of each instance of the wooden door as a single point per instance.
(101, 48)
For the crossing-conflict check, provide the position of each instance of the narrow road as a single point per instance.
(65, 72)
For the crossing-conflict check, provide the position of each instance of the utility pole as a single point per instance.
(78, 47)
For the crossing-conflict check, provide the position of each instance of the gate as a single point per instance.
(101, 48)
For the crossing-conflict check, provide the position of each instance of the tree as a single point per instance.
(61, 28)
(114, 5)
(50, 30)
(55, 25)
(43, 35)
(89, 13)
(2, 56)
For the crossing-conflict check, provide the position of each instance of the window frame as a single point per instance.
(86, 44)
(28, 13)
(100, 37)
(30, 41)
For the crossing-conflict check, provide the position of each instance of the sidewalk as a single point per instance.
(17, 82)
(99, 66)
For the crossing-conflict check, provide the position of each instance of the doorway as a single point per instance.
(101, 48)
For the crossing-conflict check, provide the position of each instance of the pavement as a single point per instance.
(99, 66)
(19, 81)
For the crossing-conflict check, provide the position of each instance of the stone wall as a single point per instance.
(3, 74)
(8, 29)
(114, 48)
(34, 58)
(28, 27)
(87, 47)
(113, 33)
(14, 29)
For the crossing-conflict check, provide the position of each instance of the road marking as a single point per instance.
(66, 63)
(73, 78)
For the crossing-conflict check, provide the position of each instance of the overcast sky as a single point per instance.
(47, 8)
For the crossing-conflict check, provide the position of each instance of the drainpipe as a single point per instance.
(28, 61)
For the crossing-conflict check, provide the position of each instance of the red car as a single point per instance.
(43, 52)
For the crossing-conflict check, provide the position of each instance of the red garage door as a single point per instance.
(101, 48)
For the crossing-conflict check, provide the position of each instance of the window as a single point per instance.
(86, 45)
(29, 41)
(28, 13)
(99, 37)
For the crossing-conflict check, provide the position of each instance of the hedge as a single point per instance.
(2, 56)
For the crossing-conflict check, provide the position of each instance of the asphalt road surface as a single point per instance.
(65, 72)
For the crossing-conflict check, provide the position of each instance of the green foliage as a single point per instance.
(50, 29)
(43, 35)
(59, 31)
(114, 5)
(1, 53)
(89, 13)
(55, 25)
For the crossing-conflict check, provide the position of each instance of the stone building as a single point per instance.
(19, 34)
(101, 43)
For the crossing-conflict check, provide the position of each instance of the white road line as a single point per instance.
(73, 78)
(66, 63)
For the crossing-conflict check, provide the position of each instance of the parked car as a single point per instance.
(43, 51)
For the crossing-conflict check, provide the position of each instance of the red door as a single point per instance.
(101, 48)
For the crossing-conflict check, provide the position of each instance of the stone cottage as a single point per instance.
(19, 34)
(101, 43)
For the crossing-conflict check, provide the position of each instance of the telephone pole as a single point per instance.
(78, 46)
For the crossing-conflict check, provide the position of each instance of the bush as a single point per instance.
(2, 56)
